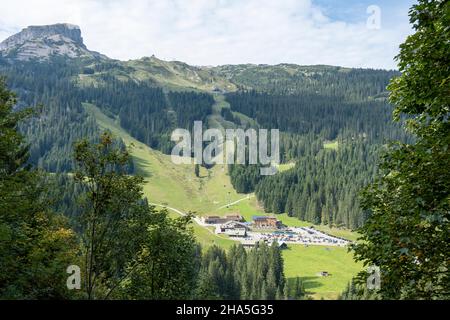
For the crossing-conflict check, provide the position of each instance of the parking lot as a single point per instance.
(297, 235)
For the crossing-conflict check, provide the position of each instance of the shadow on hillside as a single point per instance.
(139, 165)
(308, 282)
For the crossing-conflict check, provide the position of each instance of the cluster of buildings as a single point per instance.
(266, 222)
(222, 220)
(235, 226)
(233, 229)
(268, 229)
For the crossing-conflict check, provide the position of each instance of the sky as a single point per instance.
(350, 33)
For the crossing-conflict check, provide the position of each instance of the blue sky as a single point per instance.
(213, 32)
(355, 10)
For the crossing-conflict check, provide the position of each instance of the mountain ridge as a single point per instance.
(42, 42)
(72, 33)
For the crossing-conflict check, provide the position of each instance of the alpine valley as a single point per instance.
(334, 122)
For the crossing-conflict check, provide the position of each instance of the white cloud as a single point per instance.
(212, 32)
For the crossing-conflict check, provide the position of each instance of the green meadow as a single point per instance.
(334, 145)
(308, 262)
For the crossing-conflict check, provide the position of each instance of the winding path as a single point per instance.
(196, 219)
(237, 201)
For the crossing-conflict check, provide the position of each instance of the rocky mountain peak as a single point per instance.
(42, 42)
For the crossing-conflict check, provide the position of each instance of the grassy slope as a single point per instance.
(177, 75)
(285, 166)
(307, 262)
(169, 75)
(176, 184)
(334, 145)
(178, 187)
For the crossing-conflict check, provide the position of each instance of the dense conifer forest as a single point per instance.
(323, 186)
(316, 106)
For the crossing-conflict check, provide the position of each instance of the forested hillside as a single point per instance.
(239, 274)
(355, 120)
(62, 119)
(113, 234)
(311, 106)
(149, 113)
(354, 84)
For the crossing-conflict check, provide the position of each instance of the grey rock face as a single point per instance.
(42, 42)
